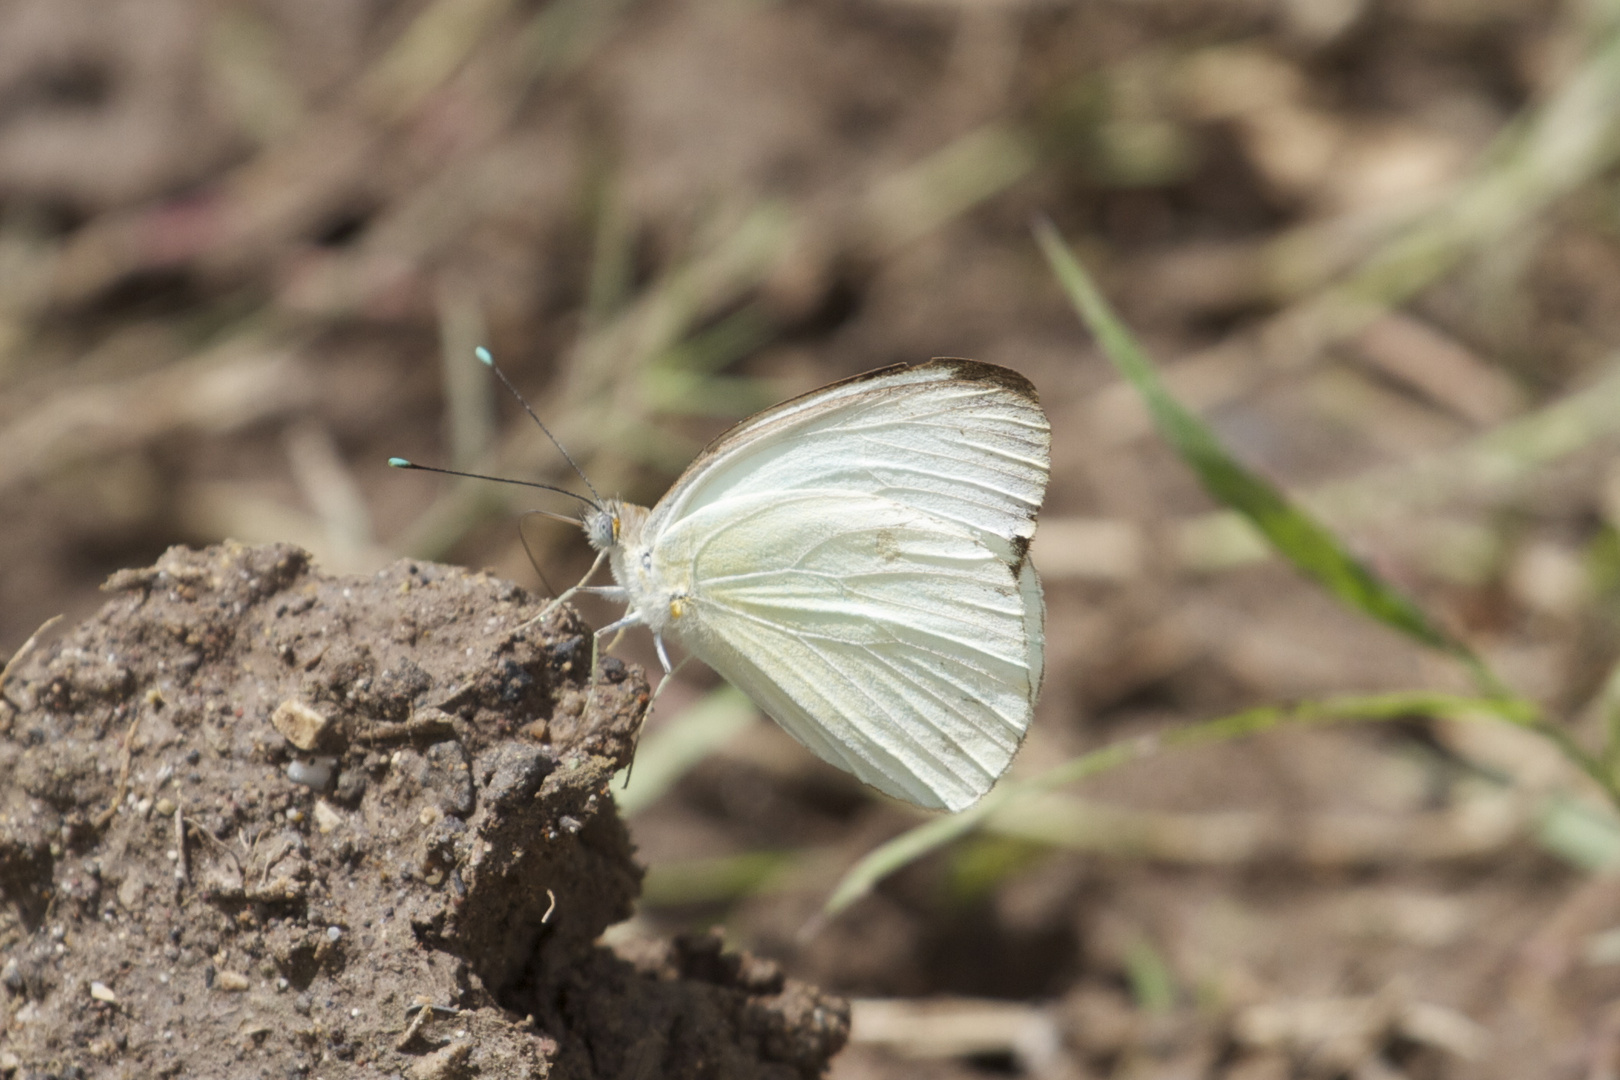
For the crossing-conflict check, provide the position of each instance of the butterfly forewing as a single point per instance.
(961, 440)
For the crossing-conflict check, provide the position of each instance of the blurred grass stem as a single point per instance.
(1549, 152)
(469, 392)
(910, 846)
(330, 488)
(1313, 549)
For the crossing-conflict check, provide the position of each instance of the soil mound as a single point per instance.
(260, 821)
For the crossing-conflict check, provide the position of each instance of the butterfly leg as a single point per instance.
(568, 594)
(652, 700)
(613, 594)
(631, 618)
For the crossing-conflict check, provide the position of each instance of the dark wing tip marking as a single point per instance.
(976, 371)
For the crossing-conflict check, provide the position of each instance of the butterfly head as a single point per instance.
(613, 525)
(601, 525)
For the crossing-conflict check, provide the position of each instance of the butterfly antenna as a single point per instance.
(404, 463)
(485, 358)
(523, 538)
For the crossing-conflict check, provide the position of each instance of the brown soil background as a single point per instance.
(247, 248)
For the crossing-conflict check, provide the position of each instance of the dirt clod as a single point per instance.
(299, 724)
(245, 829)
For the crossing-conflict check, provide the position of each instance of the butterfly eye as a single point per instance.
(646, 560)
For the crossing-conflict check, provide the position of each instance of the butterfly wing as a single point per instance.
(855, 560)
(893, 643)
(959, 440)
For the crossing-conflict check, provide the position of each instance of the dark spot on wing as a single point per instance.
(1020, 546)
(888, 545)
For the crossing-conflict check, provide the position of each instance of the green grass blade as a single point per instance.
(717, 880)
(930, 836)
(1153, 985)
(1294, 533)
(1579, 833)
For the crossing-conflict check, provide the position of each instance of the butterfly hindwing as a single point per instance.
(892, 643)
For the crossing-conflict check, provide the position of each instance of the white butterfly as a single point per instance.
(856, 561)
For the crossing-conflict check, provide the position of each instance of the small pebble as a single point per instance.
(334, 933)
(327, 818)
(443, 1063)
(101, 992)
(233, 982)
(299, 724)
(315, 773)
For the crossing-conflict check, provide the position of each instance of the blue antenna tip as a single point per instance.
(484, 357)
(399, 463)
